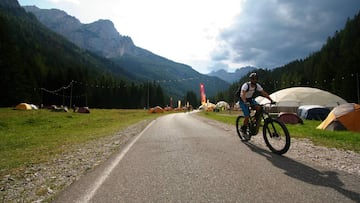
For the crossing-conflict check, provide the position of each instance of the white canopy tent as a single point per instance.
(292, 98)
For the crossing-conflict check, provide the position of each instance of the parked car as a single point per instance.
(313, 112)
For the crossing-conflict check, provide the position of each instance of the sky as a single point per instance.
(209, 35)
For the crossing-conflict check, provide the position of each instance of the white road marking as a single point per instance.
(92, 190)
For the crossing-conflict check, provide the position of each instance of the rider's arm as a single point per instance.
(243, 95)
(265, 94)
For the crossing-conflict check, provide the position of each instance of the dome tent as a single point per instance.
(289, 118)
(291, 98)
(156, 109)
(343, 117)
(223, 105)
(23, 106)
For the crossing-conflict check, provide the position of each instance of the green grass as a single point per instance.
(29, 137)
(345, 140)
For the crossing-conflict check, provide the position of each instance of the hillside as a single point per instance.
(42, 67)
(102, 38)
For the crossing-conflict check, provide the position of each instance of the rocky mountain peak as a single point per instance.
(100, 36)
(55, 19)
(10, 3)
(103, 29)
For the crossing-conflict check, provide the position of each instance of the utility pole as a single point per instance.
(63, 96)
(357, 87)
(71, 90)
(148, 96)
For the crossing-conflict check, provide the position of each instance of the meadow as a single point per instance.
(30, 137)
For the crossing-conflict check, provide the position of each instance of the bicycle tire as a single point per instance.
(276, 136)
(239, 121)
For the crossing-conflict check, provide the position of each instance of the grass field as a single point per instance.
(337, 139)
(28, 137)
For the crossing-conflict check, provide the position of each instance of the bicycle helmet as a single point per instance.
(253, 76)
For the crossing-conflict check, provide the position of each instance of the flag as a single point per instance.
(202, 94)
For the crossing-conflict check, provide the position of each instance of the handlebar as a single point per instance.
(271, 103)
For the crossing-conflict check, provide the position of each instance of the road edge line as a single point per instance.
(99, 181)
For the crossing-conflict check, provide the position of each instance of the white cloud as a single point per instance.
(66, 1)
(272, 33)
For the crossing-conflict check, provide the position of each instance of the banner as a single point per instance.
(202, 94)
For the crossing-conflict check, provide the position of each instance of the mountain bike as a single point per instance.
(275, 133)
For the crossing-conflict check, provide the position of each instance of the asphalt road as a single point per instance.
(178, 158)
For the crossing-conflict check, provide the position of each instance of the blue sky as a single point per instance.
(210, 35)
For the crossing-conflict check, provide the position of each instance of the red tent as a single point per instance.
(289, 118)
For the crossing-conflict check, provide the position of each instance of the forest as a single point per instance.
(334, 68)
(39, 66)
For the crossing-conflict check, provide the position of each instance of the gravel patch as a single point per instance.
(42, 182)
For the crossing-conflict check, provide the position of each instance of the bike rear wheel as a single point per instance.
(276, 136)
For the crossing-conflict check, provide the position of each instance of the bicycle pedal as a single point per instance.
(246, 137)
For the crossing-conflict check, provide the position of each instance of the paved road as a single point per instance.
(178, 158)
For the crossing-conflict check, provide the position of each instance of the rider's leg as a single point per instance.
(246, 112)
(257, 107)
(245, 123)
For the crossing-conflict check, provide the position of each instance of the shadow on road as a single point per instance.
(306, 173)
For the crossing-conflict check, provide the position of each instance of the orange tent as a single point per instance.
(156, 109)
(23, 106)
(343, 117)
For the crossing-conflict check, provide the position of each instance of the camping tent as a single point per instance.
(83, 110)
(289, 118)
(222, 105)
(313, 112)
(33, 106)
(23, 106)
(208, 106)
(156, 109)
(290, 99)
(343, 117)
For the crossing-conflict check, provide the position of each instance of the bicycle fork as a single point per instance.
(269, 125)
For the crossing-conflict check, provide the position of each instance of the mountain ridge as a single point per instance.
(232, 76)
(102, 38)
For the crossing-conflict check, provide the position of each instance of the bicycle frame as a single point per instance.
(255, 120)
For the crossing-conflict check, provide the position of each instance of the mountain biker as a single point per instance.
(247, 91)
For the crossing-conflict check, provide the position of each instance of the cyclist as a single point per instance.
(246, 93)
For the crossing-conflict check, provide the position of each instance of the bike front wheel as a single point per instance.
(276, 136)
